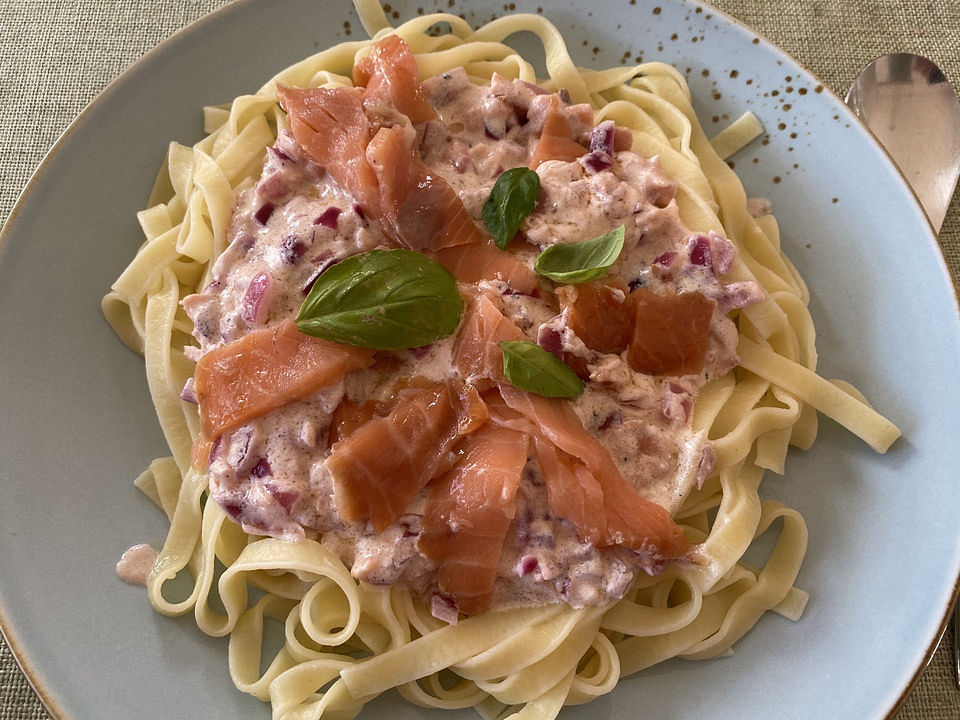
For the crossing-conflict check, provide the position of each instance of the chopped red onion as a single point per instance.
(329, 218)
(216, 447)
(666, 260)
(537, 90)
(462, 163)
(231, 509)
(263, 213)
(286, 498)
(189, 392)
(699, 248)
(596, 162)
(724, 253)
(278, 154)
(740, 295)
(550, 340)
(602, 137)
(240, 452)
(443, 607)
(359, 212)
(676, 404)
(708, 459)
(421, 352)
(292, 249)
(262, 469)
(527, 565)
(273, 186)
(563, 588)
(255, 307)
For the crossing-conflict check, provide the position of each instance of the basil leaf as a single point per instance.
(513, 197)
(583, 261)
(382, 299)
(529, 367)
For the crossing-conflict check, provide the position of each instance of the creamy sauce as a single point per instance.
(136, 564)
(270, 475)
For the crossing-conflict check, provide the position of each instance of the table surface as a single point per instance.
(56, 56)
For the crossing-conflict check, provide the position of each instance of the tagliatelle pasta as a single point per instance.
(346, 641)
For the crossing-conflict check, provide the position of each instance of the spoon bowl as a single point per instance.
(913, 111)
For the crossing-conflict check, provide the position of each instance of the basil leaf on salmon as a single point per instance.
(529, 367)
(383, 300)
(573, 263)
(514, 196)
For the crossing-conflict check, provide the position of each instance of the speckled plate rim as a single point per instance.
(18, 649)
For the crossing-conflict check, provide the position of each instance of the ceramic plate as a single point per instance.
(77, 424)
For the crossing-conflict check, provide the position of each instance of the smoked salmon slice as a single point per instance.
(389, 74)
(331, 125)
(485, 261)
(421, 209)
(606, 510)
(380, 467)
(264, 371)
(670, 332)
(348, 416)
(555, 141)
(469, 512)
(600, 313)
(585, 486)
(477, 351)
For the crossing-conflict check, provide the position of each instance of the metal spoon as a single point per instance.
(913, 112)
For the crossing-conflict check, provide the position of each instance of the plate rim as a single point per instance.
(14, 643)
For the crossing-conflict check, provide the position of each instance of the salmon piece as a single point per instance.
(381, 466)
(331, 125)
(572, 495)
(585, 486)
(422, 210)
(600, 313)
(349, 416)
(264, 371)
(555, 141)
(670, 333)
(485, 261)
(477, 351)
(389, 74)
(469, 512)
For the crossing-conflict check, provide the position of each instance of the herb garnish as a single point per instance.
(513, 197)
(583, 261)
(529, 367)
(384, 300)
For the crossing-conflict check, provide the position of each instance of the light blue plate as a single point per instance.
(77, 424)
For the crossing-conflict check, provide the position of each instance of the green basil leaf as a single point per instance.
(529, 367)
(513, 197)
(382, 299)
(583, 261)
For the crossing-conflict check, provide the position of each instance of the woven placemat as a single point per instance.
(56, 55)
